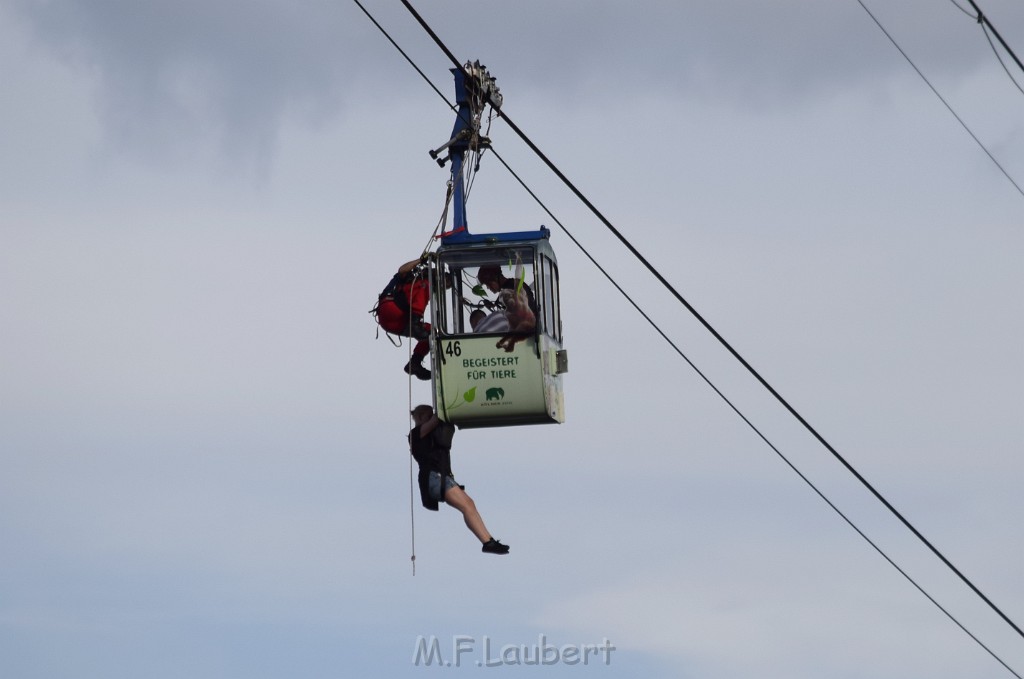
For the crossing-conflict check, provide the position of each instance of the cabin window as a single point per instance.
(552, 315)
(490, 292)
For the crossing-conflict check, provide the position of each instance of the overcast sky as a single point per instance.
(203, 470)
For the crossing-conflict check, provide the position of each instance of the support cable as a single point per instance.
(754, 427)
(955, 115)
(750, 369)
(1000, 60)
(984, 21)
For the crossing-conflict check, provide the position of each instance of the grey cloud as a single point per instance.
(188, 72)
(232, 71)
(740, 51)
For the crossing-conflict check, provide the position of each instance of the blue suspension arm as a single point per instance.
(474, 89)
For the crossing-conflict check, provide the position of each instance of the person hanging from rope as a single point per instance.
(430, 442)
(399, 310)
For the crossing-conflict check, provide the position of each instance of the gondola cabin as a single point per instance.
(496, 324)
(498, 357)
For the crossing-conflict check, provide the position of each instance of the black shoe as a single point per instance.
(492, 546)
(415, 367)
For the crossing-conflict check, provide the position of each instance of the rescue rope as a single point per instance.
(436, 234)
(412, 501)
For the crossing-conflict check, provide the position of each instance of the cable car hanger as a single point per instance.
(496, 330)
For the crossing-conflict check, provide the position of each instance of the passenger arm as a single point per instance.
(429, 426)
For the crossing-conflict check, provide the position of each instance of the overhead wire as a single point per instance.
(983, 19)
(753, 426)
(403, 53)
(467, 177)
(951, 110)
(986, 25)
(962, 9)
(1001, 62)
(721, 339)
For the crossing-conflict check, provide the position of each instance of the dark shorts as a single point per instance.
(434, 485)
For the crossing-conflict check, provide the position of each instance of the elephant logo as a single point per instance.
(495, 394)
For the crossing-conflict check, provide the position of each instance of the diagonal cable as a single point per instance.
(984, 21)
(955, 115)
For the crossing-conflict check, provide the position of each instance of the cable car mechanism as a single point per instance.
(496, 327)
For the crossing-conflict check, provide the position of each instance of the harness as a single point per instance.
(394, 291)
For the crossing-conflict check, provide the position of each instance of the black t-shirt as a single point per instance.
(430, 451)
(433, 453)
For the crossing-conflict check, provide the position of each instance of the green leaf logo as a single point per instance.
(470, 395)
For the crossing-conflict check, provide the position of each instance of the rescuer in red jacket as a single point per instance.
(400, 309)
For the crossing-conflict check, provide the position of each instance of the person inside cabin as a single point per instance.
(481, 321)
(430, 443)
(517, 299)
(400, 308)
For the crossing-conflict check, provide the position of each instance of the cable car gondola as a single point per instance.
(496, 323)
